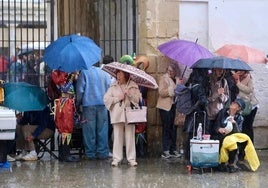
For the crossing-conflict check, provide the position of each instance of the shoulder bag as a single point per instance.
(136, 114)
(247, 109)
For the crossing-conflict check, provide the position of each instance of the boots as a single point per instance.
(65, 154)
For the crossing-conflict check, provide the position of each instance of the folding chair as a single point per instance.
(45, 145)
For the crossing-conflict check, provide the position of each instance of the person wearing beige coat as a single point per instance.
(119, 96)
(244, 83)
(167, 108)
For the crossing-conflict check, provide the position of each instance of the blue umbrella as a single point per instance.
(72, 53)
(22, 96)
(223, 63)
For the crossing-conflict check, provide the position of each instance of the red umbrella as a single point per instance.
(242, 52)
(3, 64)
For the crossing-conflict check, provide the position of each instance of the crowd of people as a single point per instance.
(98, 108)
(220, 100)
(223, 95)
(28, 67)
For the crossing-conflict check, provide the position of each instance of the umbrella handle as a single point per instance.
(183, 71)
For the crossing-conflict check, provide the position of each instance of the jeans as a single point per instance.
(169, 130)
(95, 131)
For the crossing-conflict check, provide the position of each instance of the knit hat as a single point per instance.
(241, 103)
(127, 59)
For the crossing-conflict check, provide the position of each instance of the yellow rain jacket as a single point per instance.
(230, 143)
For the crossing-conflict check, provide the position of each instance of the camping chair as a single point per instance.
(45, 145)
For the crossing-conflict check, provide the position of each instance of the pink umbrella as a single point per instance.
(137, 75)
(242, 52)
(185, 52)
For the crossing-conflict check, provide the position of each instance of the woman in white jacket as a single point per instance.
(119, 96)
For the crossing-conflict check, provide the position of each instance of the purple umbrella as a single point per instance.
(185, 52)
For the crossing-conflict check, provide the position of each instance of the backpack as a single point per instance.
(183, 98)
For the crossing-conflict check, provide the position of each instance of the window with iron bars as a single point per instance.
(23, 38)
(118, 27)
(27, 27)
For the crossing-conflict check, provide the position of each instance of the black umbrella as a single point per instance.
(223, 63)
(25, 51)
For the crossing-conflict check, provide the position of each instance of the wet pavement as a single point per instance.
(151, 173)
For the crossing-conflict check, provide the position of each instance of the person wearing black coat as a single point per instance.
(199, 80)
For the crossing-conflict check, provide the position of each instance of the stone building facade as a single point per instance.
(158, 23)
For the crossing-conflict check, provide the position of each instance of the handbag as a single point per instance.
(136, 114)
(179, 118)
(247, 109)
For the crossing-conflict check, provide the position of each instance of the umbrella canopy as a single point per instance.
(223, 63)
(72, 53)
(22, 96)
(242, 52)
(35, 45)
(25, 51)
(183, 51)
(137, 75)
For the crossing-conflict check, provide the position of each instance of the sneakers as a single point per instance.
(166, 155)
(32, 156)
(20, 154)
(19, 157)
(222, 167)
(175, 154)
(10, 159)
(115, 163)
(232, 168)
(133, 163)
(243, 166)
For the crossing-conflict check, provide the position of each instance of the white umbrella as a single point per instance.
(138, 76)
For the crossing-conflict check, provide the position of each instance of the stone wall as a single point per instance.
(158, 23)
